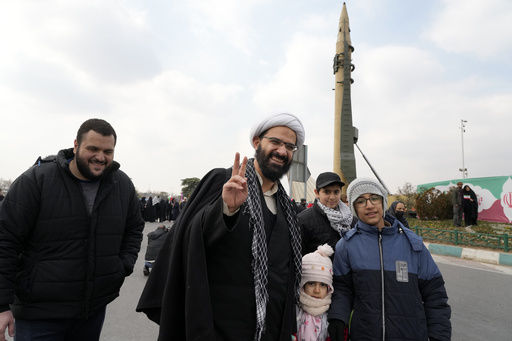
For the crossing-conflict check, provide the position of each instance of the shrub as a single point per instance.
(432, 204)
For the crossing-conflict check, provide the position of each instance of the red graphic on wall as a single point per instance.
(507, 198)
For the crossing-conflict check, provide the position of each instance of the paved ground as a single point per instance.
(123, 323)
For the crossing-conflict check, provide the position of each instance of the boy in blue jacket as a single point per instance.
(386, 276)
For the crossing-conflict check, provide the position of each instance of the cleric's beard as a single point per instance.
(270, 170)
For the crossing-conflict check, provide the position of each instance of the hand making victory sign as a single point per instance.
(234, 192)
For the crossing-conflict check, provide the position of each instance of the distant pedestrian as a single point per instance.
(175, 209)
(183, 203)
(457, 203)
(302, 205)
(295, 206)
(149, 212)
(470, 206)
(168, 213)
(142, 204)
(163, 207)
(155, 241)
(397, 210)
(156, 205)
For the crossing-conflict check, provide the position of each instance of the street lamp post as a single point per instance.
(462, 127)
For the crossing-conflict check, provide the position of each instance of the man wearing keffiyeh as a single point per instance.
(231, 268)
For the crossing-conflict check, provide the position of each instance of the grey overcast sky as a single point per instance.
(183, 81)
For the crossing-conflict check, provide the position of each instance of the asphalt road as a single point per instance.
(480, 297)
(122, 322)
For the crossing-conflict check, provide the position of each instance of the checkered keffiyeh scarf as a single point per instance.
(340, 218)
(259, 244)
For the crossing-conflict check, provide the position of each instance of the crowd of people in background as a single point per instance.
(156, 209)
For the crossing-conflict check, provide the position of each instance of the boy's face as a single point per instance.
(329, 195)
(316, 289)
(368, 212)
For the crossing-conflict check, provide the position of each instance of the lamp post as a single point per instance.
(462, 127)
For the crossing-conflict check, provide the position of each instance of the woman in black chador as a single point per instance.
(175, 209)
(149, 212)
(470, 203)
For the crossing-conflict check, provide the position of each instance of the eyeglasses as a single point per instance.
(362, 202)
(279, 143)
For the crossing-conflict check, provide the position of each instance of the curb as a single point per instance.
(484, 256)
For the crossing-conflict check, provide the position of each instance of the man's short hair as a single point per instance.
(99, 126)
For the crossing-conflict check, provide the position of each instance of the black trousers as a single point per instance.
(60, 329)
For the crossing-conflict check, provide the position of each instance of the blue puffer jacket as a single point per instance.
(392, 283)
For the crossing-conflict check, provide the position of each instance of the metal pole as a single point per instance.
(373, 170)
(462, 131)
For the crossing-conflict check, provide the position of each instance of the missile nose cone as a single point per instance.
(344, 27)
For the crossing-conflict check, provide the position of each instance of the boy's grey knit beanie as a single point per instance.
(362, 186)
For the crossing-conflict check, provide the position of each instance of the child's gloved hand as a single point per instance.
(336, 330)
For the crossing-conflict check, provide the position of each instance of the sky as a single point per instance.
(182, 82)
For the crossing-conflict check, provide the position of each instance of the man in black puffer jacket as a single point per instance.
(70, 232)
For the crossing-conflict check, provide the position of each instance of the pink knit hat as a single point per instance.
(317, 266)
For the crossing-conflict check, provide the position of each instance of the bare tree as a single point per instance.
(5, 185)
(407, 194)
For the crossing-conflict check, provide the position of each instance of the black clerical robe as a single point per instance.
(202, 286)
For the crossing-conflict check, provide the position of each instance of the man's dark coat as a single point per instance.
(61, 260)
